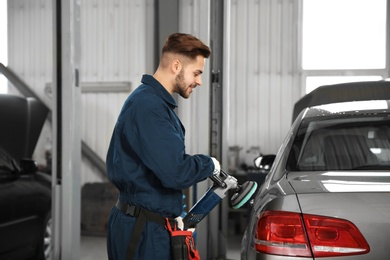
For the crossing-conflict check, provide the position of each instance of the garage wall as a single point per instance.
(115, 39)
(116, 42)
(30, 53)
(264, 77)
(29, 42)
(194, 112)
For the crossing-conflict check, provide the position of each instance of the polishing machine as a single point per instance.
(222, 183)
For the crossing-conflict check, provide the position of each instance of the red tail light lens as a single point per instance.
(281, 233)
(334, 237)
(284, 233)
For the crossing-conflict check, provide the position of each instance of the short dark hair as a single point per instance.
(186, 45)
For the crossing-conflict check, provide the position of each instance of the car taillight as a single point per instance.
(281, 233)
(334, 237)
(293, 234)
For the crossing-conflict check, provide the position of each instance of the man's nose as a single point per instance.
(198, 81)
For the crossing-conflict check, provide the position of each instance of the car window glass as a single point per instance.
(342, 144)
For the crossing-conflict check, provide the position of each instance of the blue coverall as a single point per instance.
(148, 164)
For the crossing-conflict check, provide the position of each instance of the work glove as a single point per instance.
(217, 166)
(180, 223)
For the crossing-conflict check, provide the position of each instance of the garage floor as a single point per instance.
(94, 248)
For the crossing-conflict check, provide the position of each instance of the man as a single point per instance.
(146, 159)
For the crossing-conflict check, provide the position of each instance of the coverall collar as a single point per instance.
(150, 80)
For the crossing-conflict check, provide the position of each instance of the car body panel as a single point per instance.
(359, 194)
(368, 211)
(278, 195)
(361, 197)
(340, 181)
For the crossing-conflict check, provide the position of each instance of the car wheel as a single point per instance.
(47, 238)
(45, 246)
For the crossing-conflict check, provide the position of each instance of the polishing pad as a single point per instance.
(244, 194)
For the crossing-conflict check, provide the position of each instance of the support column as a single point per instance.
(66, 133)
(218, 219)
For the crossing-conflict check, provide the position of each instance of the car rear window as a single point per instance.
(342, 143)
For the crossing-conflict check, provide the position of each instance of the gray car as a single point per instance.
(327, 194)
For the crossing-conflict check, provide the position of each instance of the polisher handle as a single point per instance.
(220, 180)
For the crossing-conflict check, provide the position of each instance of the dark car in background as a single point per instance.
(25, 194)
(327, 195)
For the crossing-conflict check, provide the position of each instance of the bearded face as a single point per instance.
(189, 77)
(181, 87)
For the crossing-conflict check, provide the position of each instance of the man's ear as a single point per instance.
(176, 66)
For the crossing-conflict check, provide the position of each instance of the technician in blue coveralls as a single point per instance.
(147, 160)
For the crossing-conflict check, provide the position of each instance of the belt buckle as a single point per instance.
(133, 210)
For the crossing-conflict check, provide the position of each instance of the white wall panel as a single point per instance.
(114, 48)
(264, 83)
(194, 112)
(29, 42)
(113, 42)
(30, 53)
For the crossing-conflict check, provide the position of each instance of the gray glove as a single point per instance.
(217, 166)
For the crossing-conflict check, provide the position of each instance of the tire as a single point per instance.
(45, 247)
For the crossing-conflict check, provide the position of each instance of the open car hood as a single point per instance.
(353, 91)
(21, 120)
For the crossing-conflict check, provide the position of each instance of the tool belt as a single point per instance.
(142, 216)
(182, 242)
